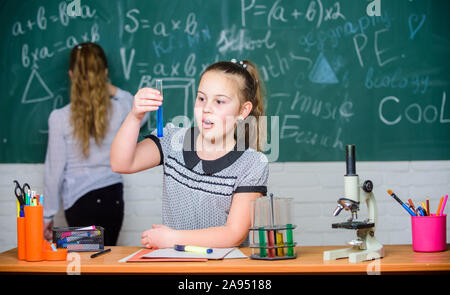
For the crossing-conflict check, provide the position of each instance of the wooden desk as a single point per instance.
(398, 259)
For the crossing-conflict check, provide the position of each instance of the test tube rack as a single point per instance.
(280, 242)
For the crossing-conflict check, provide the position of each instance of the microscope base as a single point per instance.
(371, 249)
(354, 254)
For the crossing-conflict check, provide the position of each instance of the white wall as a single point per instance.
(315, 188)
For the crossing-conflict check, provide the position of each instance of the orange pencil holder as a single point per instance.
(50, 254)
(34, 232)
(21, 248)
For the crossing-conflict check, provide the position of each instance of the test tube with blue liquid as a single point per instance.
(159, 112)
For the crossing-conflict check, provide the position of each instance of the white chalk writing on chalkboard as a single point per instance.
(383, 56)
(414, 113)
(31, 57)
(316, 12)
(324, 62)
(42, 21)
(35, 76)
(127, 62)
(134, 22)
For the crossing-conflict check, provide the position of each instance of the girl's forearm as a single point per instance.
(124, 144)
(219, 237)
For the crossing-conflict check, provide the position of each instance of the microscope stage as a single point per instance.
(353, 225)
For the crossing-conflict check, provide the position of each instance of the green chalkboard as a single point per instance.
(334, 75)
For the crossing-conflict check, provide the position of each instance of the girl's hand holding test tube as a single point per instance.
(146, 100)
(124, 150)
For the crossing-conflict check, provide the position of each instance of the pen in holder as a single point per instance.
(271, 233)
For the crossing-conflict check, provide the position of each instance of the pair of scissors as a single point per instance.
(20, 192)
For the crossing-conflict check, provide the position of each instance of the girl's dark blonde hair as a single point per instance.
(90, 102)
(252, 90)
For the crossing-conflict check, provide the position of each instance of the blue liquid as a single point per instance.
(159, 121)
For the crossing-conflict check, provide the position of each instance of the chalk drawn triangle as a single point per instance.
(35, 75)
(322, 73)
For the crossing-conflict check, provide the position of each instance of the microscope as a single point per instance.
(365, 246)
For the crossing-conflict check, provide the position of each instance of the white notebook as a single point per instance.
(218, 253)
(234, 254)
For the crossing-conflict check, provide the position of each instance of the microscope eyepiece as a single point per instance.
(350, 159)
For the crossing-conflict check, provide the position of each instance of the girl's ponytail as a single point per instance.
(89, 97)
(257, 100)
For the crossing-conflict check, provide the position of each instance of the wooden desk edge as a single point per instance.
(233, 266)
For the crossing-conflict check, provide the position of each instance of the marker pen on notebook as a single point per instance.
(401, 203)
(193, 249)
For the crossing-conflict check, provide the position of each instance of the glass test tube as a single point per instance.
(271, 234)
(159, 113)
(259, 220)
(283, 218)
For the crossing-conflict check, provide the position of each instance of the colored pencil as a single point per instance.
(443, 205)
(411, 204)
(440, 206)
(425, 209)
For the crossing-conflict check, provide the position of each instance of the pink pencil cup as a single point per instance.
(429, 233)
